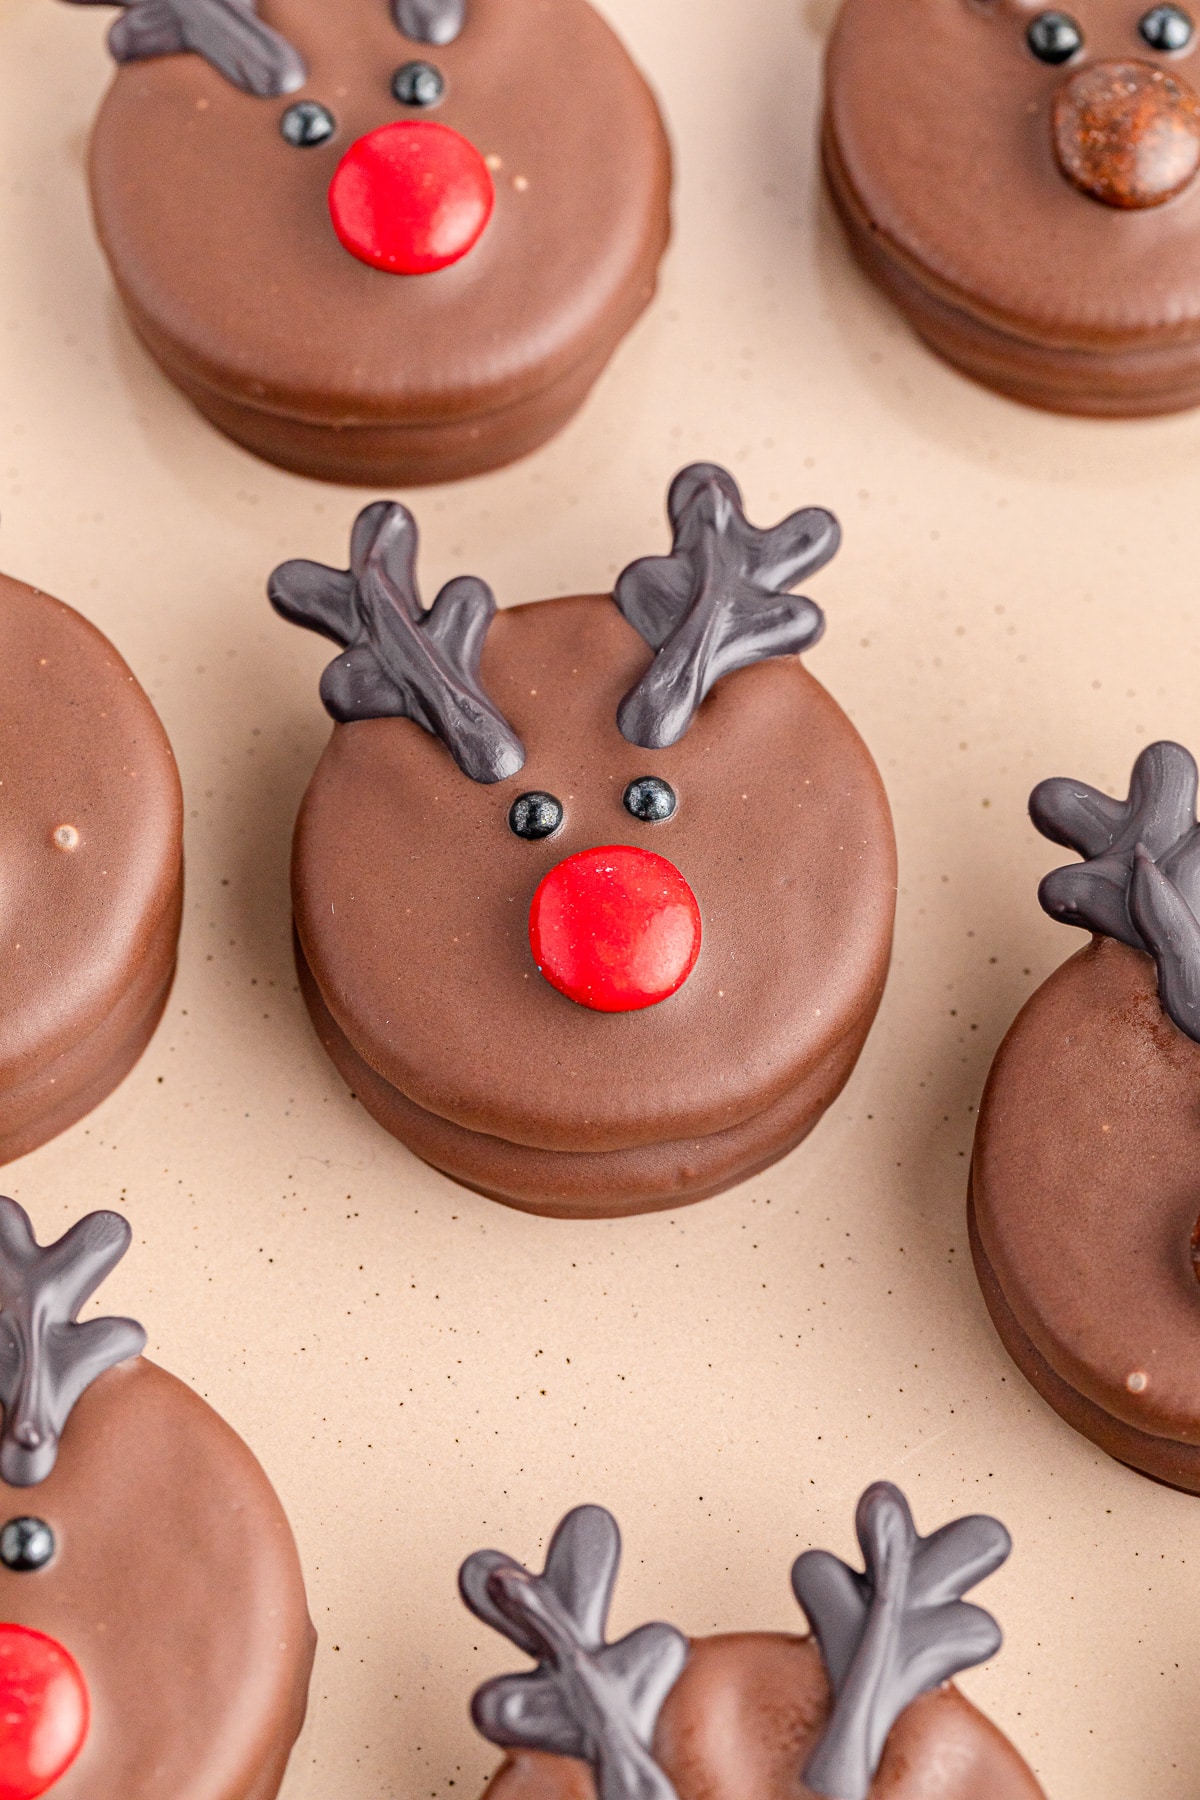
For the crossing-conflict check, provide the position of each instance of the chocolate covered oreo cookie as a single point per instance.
(91, 831)
(593, 897)
(1023, 182)
(1083, 1194)
(156, 1640)
(380, 243)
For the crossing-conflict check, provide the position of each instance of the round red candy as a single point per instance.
(43, 1712)
(411, 197)
(615, 929)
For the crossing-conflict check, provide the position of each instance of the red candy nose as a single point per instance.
(411, 197)
(615, 929)
(43, 1712)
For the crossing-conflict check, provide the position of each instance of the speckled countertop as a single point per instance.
(423, 1372)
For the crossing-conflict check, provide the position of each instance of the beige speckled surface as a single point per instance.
(421, 1371)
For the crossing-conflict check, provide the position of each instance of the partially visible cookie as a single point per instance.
(1023, 182)
(156, 1643)
(1085, 1215)
(862, 1710)
(91, 843)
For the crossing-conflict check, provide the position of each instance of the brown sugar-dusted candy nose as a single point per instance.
(1127, 133)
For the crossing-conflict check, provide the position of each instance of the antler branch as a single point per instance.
(596, 1701)
(1140, 880)
(226, 33)
(894, 1632)
(401, 661)
(46, 1359)
(430, 21)
(719, 602)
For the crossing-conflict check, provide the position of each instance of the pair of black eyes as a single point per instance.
(538, 815)
(1055, 37)
(414, 84)
(26, 1544)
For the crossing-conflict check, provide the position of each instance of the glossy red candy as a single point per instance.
(615, 929)
(43, 1712)
(411, 197)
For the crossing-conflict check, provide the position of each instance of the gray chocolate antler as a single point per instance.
(1140, 882)
(46, 1359)
(596, 1701)
(401, 661)
(719, 602)
(430, 21)
(226, 33)
(894, 1632)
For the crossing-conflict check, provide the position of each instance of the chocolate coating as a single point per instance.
(939, 151)
(1085, 1205)
(743, 1718)
(411, 899)
(91, 841)
(241, 291)
(177, 1589)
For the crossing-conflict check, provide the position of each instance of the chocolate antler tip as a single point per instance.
(1139, 881)
(893, 1632)
(586, 1698)
(719, 602)
(47, 1359)
(401, 660)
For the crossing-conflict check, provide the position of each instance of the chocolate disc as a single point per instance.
(91, 843)
(988, 190)
(176, 1589)
(214, 208)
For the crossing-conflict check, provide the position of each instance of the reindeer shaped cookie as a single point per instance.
(594, 897)
(155, 1639)
(861, 1709)
(91, 837)
(1022, 180)
(382, 241)
(1084, 1205)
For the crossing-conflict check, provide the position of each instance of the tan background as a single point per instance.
(421, 1371)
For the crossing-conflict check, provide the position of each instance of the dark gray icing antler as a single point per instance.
(894, 1632)
(596, 1701)
(402, 662)
(1140, 882)
(430, 21)
(226, 33)
(719, 602)
(46, 1359)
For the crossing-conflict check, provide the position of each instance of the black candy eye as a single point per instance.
(307, 123)
(26, 1544)
(650, 799)
(1167, 28)
(535, 815)
(1054, 37)
(418, 84)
